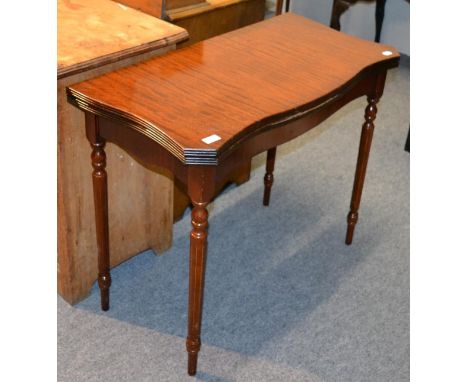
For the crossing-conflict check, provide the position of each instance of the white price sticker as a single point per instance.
(211, 139)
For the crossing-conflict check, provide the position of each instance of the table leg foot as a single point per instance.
(352, 220)
(192, 359)
(363, 157)
(104, 285)
(269, 178)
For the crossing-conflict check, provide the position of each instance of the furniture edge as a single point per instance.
(190, 156)
(176, 14)
(121, 54)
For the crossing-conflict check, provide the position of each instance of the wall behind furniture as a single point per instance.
(359, 20)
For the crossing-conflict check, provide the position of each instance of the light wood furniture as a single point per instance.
(96, 37)
(203, 18)
(158, 8)
(215, 17)
(251, 90)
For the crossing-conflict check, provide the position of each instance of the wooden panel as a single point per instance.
(98, 32)
(158, 7)
(151, 7)
(216, 17)
(173, 4)
(259, 75)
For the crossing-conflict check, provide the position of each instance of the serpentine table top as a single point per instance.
(233, 84)
(200, 111)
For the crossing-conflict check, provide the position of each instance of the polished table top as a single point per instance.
(202, 111)
(233, 85)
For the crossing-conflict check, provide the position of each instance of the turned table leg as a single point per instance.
(198, 243)
(98, 160)
(363, 156)
(268, 179)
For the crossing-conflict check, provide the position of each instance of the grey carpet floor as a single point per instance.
(285, 298)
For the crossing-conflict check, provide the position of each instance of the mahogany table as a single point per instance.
(199, 111)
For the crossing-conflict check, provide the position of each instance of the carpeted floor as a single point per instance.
(285, 298)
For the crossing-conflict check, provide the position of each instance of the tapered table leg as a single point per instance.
(379, 17)
(279, 7)
(198, 243)
(407, 143)
(98, 160)
(338, 8)
(363, 156)
(269, 178)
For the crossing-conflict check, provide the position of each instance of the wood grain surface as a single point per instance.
(151, 7)
(232, 85)
(158, 8)
(203, 21)
(97, 32)
(173, 4)
(209, 5)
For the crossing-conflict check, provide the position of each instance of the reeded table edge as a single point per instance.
(191, 156)
(120, 55)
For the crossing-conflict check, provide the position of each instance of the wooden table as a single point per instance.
(96, 37)
(199, 111)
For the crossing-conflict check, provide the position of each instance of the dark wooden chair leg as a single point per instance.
(279, 7)
(407, 143)
(98, 160)
(269, 178)
(363, 156)
(198, 244)
(338, 8)
(379, 17)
